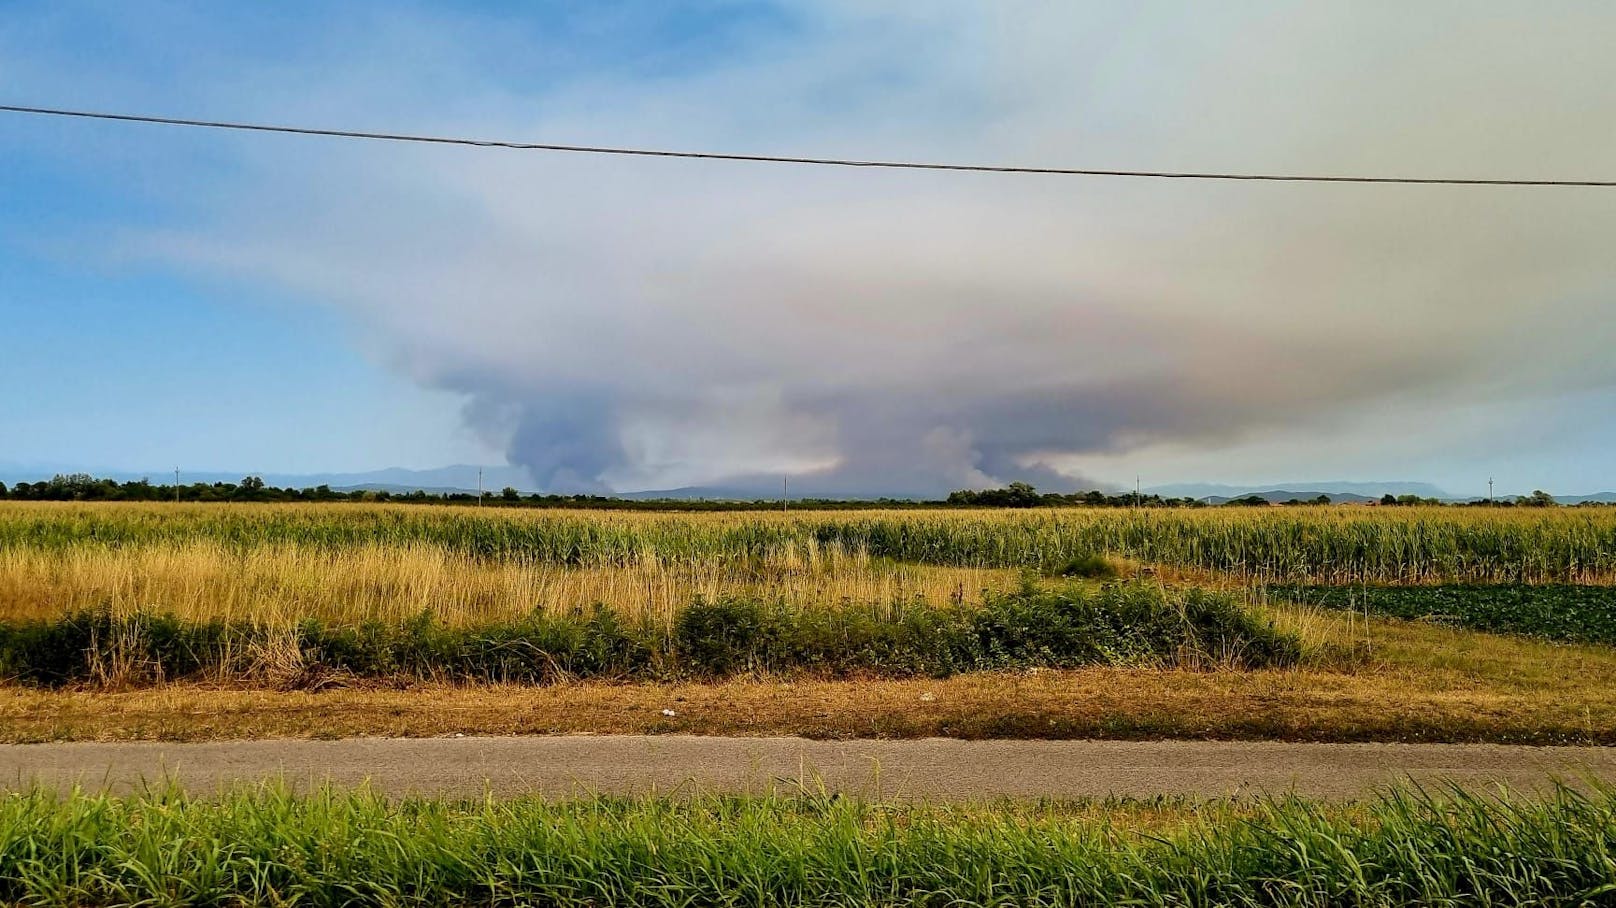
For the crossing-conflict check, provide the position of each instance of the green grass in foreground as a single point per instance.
(1575, 614)
(267, 846)
(1058, 627)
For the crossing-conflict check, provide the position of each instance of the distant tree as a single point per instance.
(1021, 495)
(3, 491)
(1538, 499)
(1015, 495)
(1388, 498)
(510, 494)
(250, 487)
(1322, 499)
(70, 486)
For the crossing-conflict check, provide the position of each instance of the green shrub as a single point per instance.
(723, 637)
(1090, 566)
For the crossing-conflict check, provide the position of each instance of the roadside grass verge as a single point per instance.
(1404, 681)
(1577, 614)
(268, 846)
(1033, 627)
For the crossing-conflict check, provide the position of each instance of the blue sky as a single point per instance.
(230, 302)
(120, 363)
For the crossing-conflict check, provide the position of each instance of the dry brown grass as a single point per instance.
(282, 584)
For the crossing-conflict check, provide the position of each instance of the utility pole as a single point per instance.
(1489, 490)
(785, 493)
(1138, 500)
(479, 487)
(176, 485)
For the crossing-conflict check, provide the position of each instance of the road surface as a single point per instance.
(930, 769)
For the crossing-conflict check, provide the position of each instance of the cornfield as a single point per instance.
(1331, 545)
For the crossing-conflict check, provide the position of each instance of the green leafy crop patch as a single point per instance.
(1573, 614)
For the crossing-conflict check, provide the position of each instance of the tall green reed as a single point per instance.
(268, 845)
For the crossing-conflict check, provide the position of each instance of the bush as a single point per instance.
(1091, 567)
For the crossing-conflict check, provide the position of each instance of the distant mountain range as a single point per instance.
(1601, 498)
(463, 478)
(1280, 496)
(1337, 490)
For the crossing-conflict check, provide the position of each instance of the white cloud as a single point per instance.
(654, 323)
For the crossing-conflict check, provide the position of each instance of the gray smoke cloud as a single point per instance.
(624, 324)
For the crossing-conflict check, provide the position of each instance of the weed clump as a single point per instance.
(1090, 567)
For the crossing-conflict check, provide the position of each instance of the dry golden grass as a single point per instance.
(282, 584)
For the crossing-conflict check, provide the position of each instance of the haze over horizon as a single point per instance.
(285, 305)
(494, 477)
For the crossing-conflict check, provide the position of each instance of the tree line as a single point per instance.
(84, 487)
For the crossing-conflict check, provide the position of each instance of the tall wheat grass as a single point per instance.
(280, 583)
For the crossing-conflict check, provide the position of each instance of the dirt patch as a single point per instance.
(1433, 706)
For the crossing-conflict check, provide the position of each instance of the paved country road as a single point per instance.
(930, 769)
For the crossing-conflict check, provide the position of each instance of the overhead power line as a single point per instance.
(786, 159)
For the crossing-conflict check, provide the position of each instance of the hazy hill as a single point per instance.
(463, 478)
(1303, 490)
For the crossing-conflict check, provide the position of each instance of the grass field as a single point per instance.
(304, 619)
(370, 580)
(269, 847)
(158, 622)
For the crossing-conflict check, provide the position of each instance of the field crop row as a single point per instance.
(271, 847)
(1319, 545)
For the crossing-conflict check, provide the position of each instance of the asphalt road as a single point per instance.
(932, 769)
